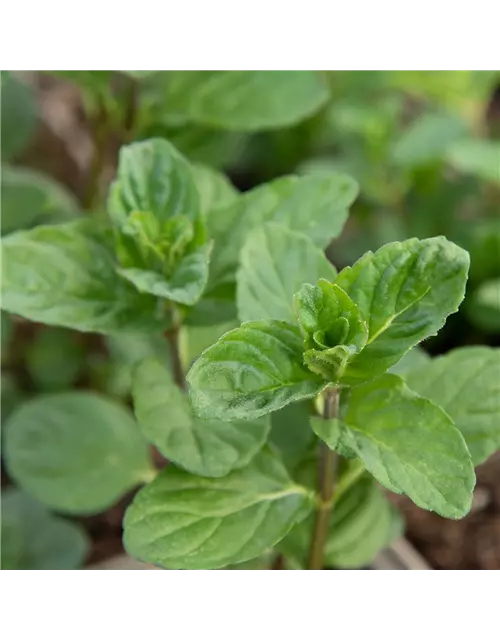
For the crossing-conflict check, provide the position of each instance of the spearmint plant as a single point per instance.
(287, 428)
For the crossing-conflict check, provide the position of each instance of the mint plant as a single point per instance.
(291, 396)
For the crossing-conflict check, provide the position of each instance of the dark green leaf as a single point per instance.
(76, 452)
(291, 434)
(54, 359)
(19, 114)
(33, 538)
(251, 371)
(181, 521)
(483, 307)
(30, 198)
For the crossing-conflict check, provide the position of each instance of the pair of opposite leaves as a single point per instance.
(404, 291)
(67, 274)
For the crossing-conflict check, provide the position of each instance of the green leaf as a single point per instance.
(413, 359)
(479, 158)
(466, 384)
(35, 539)
(251, 371)
(274, 262)
(19, 115)
(404, 291)
(482, 239)
(11, 396)
(7, 329)
(245, 100)
(181, 521)
(314, 205)
(217, 306)
(214, 189)
(483, 308)
(139, 75)
(363, 523)
(409, 444)
(185, 285)
(333, 328)
(113, 374)
(54, 359)
(153, 177)
(30, 198)
(291, 435)
(75, 452)
(194, 340)
(427, 139)
(65, 275)
(203, 447)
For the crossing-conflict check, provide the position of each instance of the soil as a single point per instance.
(471, 543)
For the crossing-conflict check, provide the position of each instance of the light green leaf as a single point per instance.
(314, 205)
(466, 384)
(33, 538)
(413, 359)
(30, 198)
(483, 307)
(427, 139)
(214, 189)
(363, 522)
(194, 340)
(333, 328)
(19, 115)
(409, 444)
(245, 100)
(404, 291)
(76, 452)
(181, 521)
(291, 435)
(54, 359)
(479, 158)
(185, 285)
(274, 262)
(153, 177)
(251, 371)
(203, 447)
(65, 275)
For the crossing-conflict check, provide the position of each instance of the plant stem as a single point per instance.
(327, 473)
(100, 138)
(172, 337)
